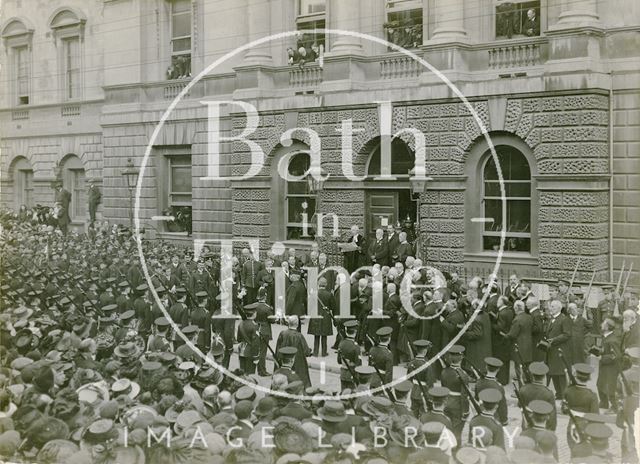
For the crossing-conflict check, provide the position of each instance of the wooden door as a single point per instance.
(382, 209)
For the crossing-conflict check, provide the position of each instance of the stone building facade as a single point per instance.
(562, 106)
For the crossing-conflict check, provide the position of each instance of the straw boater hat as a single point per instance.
(93, 393)
(291, 438)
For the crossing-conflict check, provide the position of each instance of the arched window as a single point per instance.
(299, 199)
(23, 183)
(73, 178)
(17, 36)
(402, 159)
(68, 30)
(517, 188)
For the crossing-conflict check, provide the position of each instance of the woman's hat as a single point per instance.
(291, 438)
(332, 411)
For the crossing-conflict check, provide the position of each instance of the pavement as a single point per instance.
(326, 371)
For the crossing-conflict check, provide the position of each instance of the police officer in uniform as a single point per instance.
(580, 400)
(438, 398)
(287, 356)
(264, 315)
(381, 358)
(249, 341)
(423, 380)
(489, 400)
(539, 412)
(452, 376)
(490, 380)
(538, 390)
(349, 353)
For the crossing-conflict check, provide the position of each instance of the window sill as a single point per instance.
(521, 258)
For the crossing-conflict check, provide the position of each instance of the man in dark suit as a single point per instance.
(63, 198)
(501, 345)
(379, 250)
(537, 328)
(520, 333)
(531, 26)
(94, 197)
(249, 277)
(452, 321)
(391, 311)
(322, 326)
(557, 335)
(296, 299)
(511, 291)
(609, 366)
(263, 319)
(393, 241)
(404, 248)
(580, 326)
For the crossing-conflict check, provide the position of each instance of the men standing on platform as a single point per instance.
(393, 241)
(353, 259)
(379, 249)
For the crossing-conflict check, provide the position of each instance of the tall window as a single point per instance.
(404, 22)
(311, 16)
(180, 39)
(21, 66)
(517, 19)
(517, 188)
(23, 177)
(71, 57)
(299, 200)
(179, 195)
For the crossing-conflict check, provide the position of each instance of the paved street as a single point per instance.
(326, 371)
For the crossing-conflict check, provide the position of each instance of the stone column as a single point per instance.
(449, 21)
(259, 22)
(578, 12)
(345, 15)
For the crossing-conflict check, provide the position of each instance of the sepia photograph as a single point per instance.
(319, 231)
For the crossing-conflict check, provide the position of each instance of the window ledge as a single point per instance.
(507, 258)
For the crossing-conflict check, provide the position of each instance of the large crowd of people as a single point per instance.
(92, 370)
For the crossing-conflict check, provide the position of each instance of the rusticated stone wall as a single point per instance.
(567, 134)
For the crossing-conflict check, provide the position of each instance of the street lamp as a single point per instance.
(131, 175)
(418, 187)
(316, 185)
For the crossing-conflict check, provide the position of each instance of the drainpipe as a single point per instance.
(611, 176)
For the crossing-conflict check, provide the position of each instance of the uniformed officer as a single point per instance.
(349, 353)
(381, 358)
(489, 400)
(264, 317)
(490, 380)
(598, 435)
(605, 307)
(438, 398)
(401, 396)
(160, 340)
(287, 356)
(426, 377)
(580, 400)
(184, 351)
(249, 341)
(200, 318)
(540, 413)
(538, 390)
(452, 376)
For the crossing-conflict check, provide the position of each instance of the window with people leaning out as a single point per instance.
(180, 66)
(517, 19)
(404, 28)
(179, 194)
(310, 44)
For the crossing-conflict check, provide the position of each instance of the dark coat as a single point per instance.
(520, 333)
(537, 333)
(404, 250)
(379, 252)
(631, 338)
(393, 243)
(94, 196)
(580, 327)
(354, 259)
(323, 326)
(248, 339)
(249, 273)
(451, 325)
(431, 329)
(263, 311)
(477, 340)
(296, 300)
(558, 333)
(502, 324)
(290, 337)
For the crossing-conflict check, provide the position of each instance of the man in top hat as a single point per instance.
(609, 365)
(537, 390)
(322, 326)
(422, 381)
(490, 381)
(452, 377)
(292, 337)
(264, 315)
(94, 197)
(249, 341)
(489, 400)
(348, 354)
(580, 400)
(286, 357)
(558, 336)
(381, 359)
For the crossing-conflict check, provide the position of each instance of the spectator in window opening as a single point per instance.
(531, 24)
(293, 56)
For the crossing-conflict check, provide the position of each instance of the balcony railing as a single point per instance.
(19, 114)
(399, 67)
(517, 55)
(70, 110)
(305, 76)
(172, 90)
